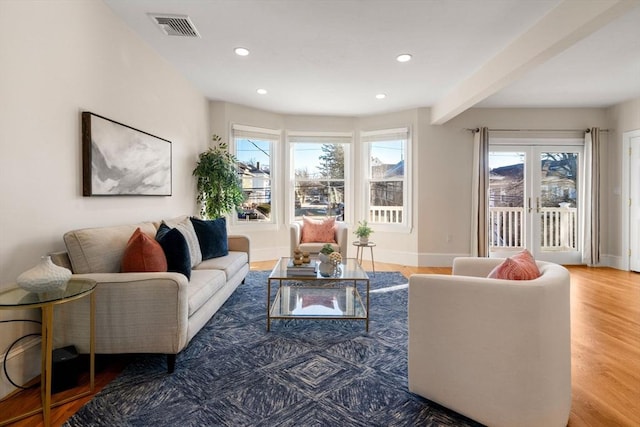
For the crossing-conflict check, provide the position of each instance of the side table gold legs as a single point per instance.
(47, 355)
(360, 252)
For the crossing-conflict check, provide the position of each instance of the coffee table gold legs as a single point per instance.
(268, 304)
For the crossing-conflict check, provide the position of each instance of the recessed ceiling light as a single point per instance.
(405, 57)
(262, 91)
(381, 96)
(241, 51)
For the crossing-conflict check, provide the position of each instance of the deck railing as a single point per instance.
(558, 228)
(385, 214)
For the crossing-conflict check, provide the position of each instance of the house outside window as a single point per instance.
(255, 150)
(319, 171)
(387, 179)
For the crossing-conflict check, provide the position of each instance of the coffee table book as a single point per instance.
(308, 269)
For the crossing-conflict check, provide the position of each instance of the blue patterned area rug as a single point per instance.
(302, 373)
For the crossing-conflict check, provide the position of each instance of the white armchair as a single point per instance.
(497, 351)
(341, 238)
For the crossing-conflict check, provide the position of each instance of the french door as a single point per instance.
(534, 201)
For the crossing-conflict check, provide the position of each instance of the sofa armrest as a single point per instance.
(342, 238)
(61, 259)
(295, 234)
(135, 313)
(240, 243)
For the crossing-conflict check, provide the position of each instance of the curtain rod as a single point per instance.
(535, 130)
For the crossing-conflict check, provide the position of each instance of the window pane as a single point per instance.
(313, 161)
(254, 159)
(559, 172)
(387, 159)
(318, 180)
(386, 202)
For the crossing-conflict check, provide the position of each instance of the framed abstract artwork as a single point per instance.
(118, 160)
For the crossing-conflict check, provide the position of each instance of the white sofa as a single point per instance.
(142, 312)
(497, 351)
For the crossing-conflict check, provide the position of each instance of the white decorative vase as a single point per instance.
(364, 240)
(326, 269)
(44, 277)
(324, 258)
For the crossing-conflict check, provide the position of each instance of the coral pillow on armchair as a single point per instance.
(521, 266)
(142, 254)
(314, 231)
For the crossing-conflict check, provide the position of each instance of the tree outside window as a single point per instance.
(318, 179)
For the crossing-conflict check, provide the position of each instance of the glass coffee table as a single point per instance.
(319, 297)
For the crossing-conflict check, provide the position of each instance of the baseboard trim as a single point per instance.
(23, 364)
(613, 261)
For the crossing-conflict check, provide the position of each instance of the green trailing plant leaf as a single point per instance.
(218, 184)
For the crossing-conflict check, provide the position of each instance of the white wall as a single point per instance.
(622, 118)
(59, 59)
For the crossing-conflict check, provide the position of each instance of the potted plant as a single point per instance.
(363, 231)
(219, 187)
(325, 251)
(325, 267)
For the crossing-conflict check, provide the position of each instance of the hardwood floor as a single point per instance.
(605, 339)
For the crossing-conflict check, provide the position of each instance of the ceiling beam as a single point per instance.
(563, 26)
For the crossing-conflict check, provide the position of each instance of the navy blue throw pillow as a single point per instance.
(212, 235)
(175, 248)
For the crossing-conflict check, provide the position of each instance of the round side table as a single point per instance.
(18, 299)
(360, 250)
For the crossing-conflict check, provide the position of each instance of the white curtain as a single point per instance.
(479, 193)
(591, 198)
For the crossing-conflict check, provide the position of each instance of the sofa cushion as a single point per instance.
(230, 264)
(185, 227)
(175, 249)
(202, 286)
(100, 250)
(143, 254)
(212, 236)
(318, 230)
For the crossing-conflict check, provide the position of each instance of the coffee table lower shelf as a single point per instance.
(321, 302)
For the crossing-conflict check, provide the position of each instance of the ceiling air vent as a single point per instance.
(175, 25)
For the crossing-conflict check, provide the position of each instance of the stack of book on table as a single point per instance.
(306, 269)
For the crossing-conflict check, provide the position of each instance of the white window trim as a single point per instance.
(365, 138)
(276, 144)
(295, 137)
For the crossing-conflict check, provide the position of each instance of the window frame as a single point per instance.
(274, 137)
(366, 139)
(310, 137)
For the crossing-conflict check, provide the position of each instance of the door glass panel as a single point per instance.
(557, 203)
(506, 199)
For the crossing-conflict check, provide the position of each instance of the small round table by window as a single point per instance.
(360, 250)
(18, 299)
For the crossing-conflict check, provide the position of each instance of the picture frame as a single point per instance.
(119, 160)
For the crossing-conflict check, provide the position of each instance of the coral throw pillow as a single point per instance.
(521, 266)
(142, 254)
(314, 231)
